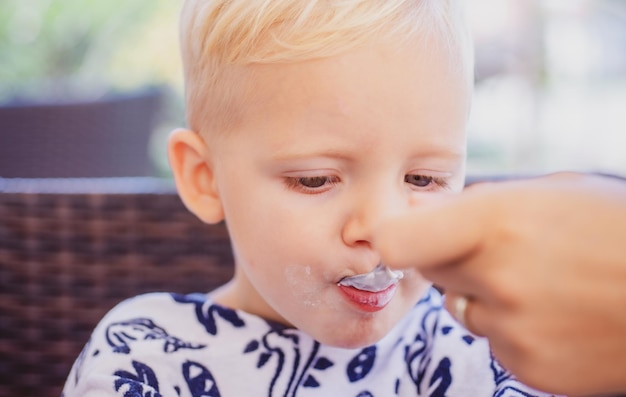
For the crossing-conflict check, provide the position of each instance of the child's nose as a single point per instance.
(366, 213)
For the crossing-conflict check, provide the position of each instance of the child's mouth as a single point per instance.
(369, 301)
(377, 280)
(371, 291)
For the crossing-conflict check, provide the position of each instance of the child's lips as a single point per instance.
(371, 291)
(369, 301)
(379, 279)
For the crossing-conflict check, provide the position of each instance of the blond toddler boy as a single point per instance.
(310, 121)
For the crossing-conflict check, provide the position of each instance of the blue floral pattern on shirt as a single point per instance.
(188, 346)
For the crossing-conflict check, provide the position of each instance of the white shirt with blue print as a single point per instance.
(187, 346)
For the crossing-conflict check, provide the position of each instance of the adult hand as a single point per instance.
(543, 264)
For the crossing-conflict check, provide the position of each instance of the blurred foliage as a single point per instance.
(69, 49)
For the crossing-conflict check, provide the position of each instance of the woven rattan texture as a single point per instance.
(66, 259)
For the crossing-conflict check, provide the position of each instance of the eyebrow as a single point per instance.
(328, 153)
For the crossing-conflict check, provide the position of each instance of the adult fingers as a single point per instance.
(434, 235)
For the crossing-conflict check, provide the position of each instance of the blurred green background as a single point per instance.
(69, 52)
(550, 81)
(74, 49)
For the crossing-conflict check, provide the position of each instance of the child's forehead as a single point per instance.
(354, 100)
(378, 75)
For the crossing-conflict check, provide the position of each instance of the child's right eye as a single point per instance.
(311, 184)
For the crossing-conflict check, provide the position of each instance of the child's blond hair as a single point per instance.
(220, 37)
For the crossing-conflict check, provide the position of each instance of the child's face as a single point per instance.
(326, 150)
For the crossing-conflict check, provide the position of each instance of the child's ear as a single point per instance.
(193, 173)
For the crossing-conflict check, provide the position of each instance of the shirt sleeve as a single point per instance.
(125, 355)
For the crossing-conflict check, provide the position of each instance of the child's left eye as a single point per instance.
(418, 180)
(422, 181)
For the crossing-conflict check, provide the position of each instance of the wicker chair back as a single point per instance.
(71, 249)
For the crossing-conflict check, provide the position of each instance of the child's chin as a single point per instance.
(352, 341)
